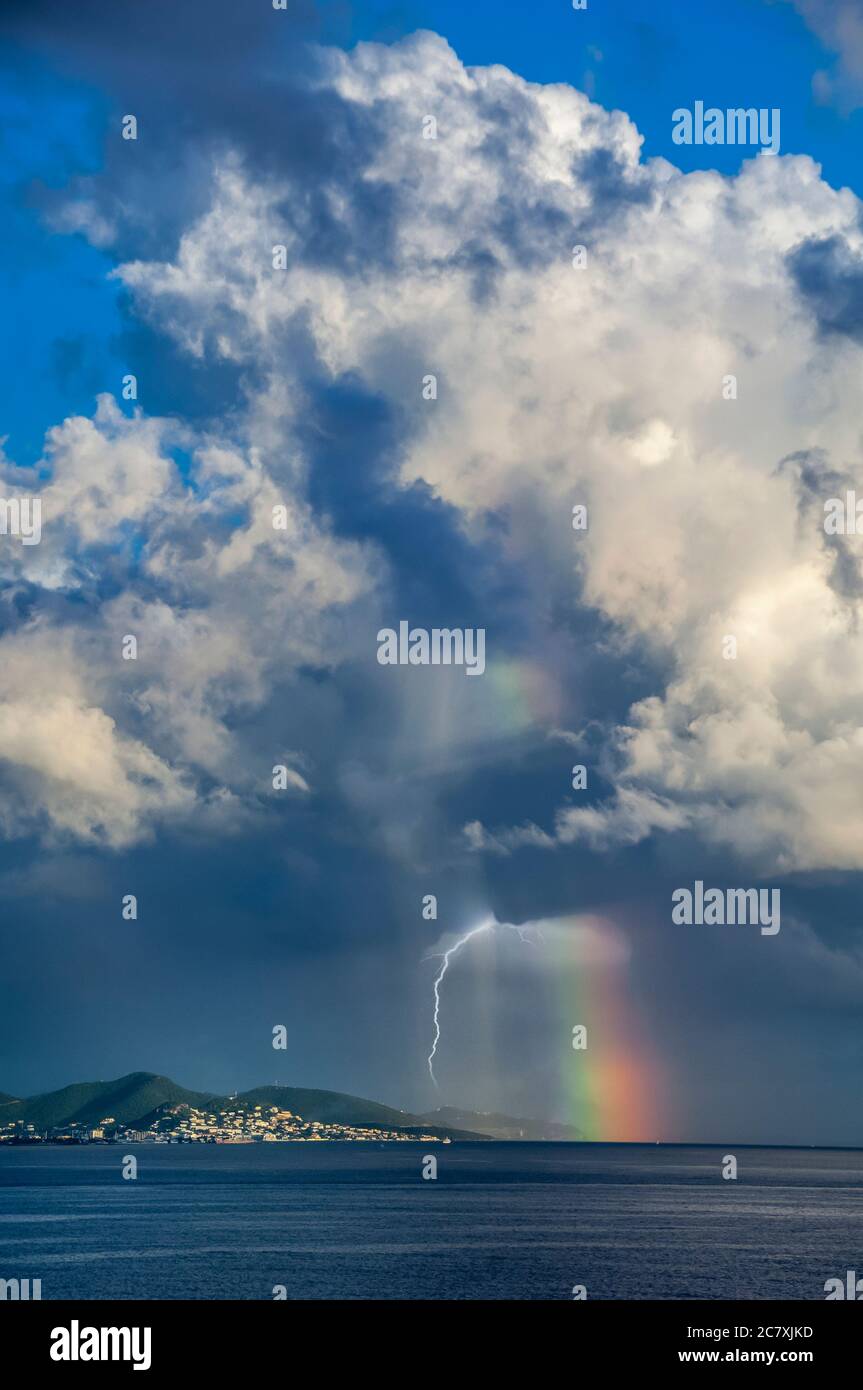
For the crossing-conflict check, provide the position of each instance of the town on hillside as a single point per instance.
(184, 1124)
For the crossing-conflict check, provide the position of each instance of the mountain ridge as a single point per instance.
(135, 1097)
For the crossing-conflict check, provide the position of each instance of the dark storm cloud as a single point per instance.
(829, 276)
(355, 441)
(817, 482)
(613, 186)
(229, 75)
(174, 383)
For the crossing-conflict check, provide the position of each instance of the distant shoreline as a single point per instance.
(147, 1108)
(482, 1142)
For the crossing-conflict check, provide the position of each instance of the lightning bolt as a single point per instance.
(445, 959)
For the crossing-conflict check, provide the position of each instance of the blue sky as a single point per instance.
(59, 304)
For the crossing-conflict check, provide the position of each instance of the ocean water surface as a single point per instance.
(358, 1221)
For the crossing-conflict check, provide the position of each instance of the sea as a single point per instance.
(499, 1221)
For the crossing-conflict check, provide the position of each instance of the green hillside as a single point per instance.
(136, 1099)
(328, 1107)
(127, 1099)
(139, 1099)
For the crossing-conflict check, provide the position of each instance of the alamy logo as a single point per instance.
(851, 1288)
(727, 907)
(732, 127)
(441, 646)
(19, 1290)
(22, 517)
(76, 1343)
(844, 517)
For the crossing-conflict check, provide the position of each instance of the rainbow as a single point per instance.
(614, 1090)
(524, 693)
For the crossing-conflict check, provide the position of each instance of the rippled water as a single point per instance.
(510, 1221)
